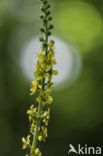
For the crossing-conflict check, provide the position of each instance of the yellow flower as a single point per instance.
(32, 130)
(50, 84)
(46, 122)
(31, 119)
(45, 97)
(33, 114)
(29, 112)
(45, 75)
(50, 55)
(40, 138)
(33, 88)
(41, 55)
(48, 117)
(32, 110)
(35, 109)
(53, 61)
(49, 100)
(23, 140)
(26, 142)
(44, 130)
(36, 150)
(47, 92)
(40, 86)
(39, 99)
(50, 45)
(38, 75)
(31, 106)
(28, 139)
(45, 113)
(55, 72)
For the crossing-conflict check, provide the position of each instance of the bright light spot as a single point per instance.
(68, 61)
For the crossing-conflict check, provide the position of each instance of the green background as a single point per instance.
(77, 110)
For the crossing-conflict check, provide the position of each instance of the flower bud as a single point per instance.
(45, 1)
(52, 41)
(49, 33)
(50, 18)
(42, 30)
(48, 6)
(45, 20)
(48, 13)
(44, 44)
(51, 26)
(41, 16)
(43, 9)
(41, 39)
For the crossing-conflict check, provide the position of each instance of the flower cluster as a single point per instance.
(39, 115)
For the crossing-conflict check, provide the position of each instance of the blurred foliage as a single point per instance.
(78, 25)
(76, 115)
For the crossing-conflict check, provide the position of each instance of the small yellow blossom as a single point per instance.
(36, 150)
(33, 88)
(49, 100)
(46, 122)
(53, 61)
(26, 142)
(55, 72)
(33, 113)
(41, 55)
(40, 86)
(44, 130)
(29, 112)
(48, 117)
(32, 129)
(40, 138)
(45, 113)
(50, 45)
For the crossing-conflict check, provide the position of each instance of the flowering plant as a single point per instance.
(39, 115)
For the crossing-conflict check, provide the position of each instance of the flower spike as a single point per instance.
(39, 114)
